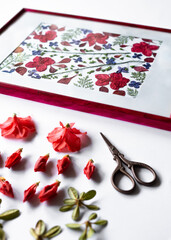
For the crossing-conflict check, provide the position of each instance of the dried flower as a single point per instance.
(6, 188)
(13, 159)
(40, 164)
(76, 201)
(39, 232)
(48, 191)
(89, 169)
(17, 127)
(30, 192)
(65, 138)
(63, 164)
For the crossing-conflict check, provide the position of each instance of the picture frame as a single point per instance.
(151, 107)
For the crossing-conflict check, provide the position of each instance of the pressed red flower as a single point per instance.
(118, 81)
(63, 164)
(30, 192)
(6, 188)
(89, 169)
(144, 48)
(40, 165)
(40, 63)
(102, 79)
(49, 191)
(49, 35)
(14, 158)
(17, 127)
(93, 38)
(65, 138)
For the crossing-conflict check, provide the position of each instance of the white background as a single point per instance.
(144, 215)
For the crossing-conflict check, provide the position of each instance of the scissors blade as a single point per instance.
(111, 147)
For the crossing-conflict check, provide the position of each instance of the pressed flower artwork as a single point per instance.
(83, 58)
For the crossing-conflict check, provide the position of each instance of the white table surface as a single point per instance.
(145, 215)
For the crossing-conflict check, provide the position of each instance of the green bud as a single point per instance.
(10, 214)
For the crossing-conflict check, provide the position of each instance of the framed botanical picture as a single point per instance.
(113, 69)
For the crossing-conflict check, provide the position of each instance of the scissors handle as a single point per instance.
(120, 170)
(134, 166)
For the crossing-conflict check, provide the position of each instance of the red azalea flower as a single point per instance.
(48, 191)
(63, 164)
(93, 38)
(40, 165)
(144, 48)
(89, 169)
(40, 63)
(118, 81)
(13, 159)
(17, 127)
(6, 188)
(102, 79)
(65, 138)
(49, 35)
(30, 192)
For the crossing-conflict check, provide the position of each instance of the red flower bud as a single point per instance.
(48, 191)
(6, 188)
(13, 159)
(40, 165)
(89, 169)
(30, 192)
(63, 164)
(17, 127)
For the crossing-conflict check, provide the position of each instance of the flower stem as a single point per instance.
(86, 53)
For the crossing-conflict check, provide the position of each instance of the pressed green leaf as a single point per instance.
(101, 222)
(73, 225)
(92, 216)
(40, 228)
(66, 208)
(10, 214)
(33, 233)
(69, 201)
(73, 193)
(54, 231)
(83, 236)
(2, 234)
(89, 195)
(76, 213)
(92, 207)
(90, 232)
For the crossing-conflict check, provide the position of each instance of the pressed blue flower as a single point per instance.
(124, 70)
(107, 46)
(79, 59)
(10, 71)
(23, 43)
(85, 31)
(45, 27)
(137, 55)
(51, 44)
(33, 73)
(147, 65)
(110, 61)
(76, 42)
(34, 52)
(134, 84)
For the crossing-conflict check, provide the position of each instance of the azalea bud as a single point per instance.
(89, 169)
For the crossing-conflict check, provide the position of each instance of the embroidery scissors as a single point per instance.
(133, 166)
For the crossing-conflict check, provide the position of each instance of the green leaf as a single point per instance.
(40, 228)
(90, 232)
(73, 193)
(69, 201)
(33, 233)
(81, 197)
(10, 214)
(89, 195)
(83, 236)
(66, 208)
(76, 213)
(92, 216)
(101, 222)
(92, 207)
(73, 225)
(2, 234)
(54, 231)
